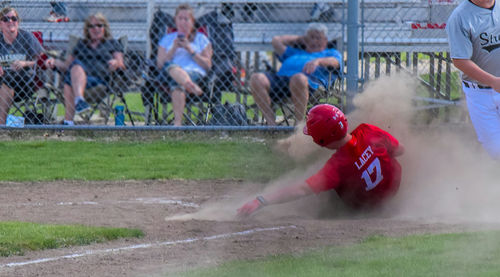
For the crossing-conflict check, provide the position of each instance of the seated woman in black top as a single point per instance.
(88, 65)
(19, 51)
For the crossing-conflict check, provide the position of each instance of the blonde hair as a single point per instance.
(101, 18)
(187, 7)
(7, 10)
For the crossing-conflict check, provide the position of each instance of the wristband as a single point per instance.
(262, 201)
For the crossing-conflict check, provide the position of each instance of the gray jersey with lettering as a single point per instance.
(24, 48)
(474, 34)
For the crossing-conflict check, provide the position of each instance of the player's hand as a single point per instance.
(249, 208)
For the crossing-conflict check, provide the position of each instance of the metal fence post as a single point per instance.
(352, 52)
(150, 12)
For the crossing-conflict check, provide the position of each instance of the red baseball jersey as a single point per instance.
(364, 171)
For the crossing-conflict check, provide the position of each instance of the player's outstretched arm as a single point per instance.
(282, 195)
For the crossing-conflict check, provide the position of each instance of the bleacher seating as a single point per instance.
(387, 25)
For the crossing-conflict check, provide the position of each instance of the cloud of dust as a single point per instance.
(446, 174)
(225, 209)
(447, 177)
(298, 146)
(216, 211)
(384, 99)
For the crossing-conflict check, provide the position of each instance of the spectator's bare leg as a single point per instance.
(178, 104)
(6, 96)
(69, 103)
(299, 88)
(78, 80)
(182, 77)
(77, 88)
(259, 86)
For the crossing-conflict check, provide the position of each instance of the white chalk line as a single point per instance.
(160, 201)
(147, 245)
(167, 201)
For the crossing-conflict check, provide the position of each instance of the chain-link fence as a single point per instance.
(241, 63)
(410, 36)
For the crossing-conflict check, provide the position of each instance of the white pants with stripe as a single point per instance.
(484, 112)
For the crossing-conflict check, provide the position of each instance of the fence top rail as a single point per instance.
(283, 1)
(176, 3)
(87, 2)
(60, 33)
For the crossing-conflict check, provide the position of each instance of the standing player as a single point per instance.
(363, 170)
(474, 38)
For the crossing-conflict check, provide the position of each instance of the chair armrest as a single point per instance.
(150, 70)
(268, 66)
(40, 61)
(333, 70)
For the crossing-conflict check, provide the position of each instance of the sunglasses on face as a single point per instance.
(10, 18)
(95, 26)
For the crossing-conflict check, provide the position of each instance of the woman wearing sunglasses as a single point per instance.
(89, 64)
(19, 51)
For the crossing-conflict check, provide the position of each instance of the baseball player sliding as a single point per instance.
(474, 38)
(363, 170)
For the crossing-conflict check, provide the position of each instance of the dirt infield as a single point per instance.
(175, 245)
(448, 185)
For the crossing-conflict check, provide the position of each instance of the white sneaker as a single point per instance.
(54, 17)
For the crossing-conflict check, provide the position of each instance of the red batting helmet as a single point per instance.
(325, 124)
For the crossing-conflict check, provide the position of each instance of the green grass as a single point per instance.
(18, 237)
(464, 254)
(134, 101)
(455, 85)
(136, 107)
(445, 113)
(119, 160)
(404, 57)
(84, 160)
(135, 104)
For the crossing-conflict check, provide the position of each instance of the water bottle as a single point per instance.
(119, 116)
(15, 121)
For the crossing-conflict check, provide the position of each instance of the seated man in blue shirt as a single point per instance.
(300, 72)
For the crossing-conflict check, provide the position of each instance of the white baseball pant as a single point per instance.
(484, 111)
